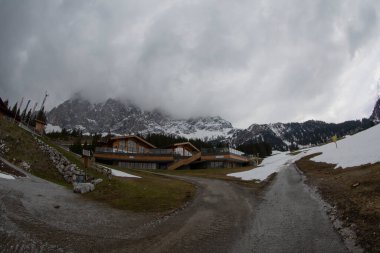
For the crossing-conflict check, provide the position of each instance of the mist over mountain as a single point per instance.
(125, 118)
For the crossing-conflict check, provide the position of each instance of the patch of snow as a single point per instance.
(52, 128)
(361, 148)
(118, 173)
(80, 127)
(270, 165)
(202, 134)
(5, 176)
(91, 121)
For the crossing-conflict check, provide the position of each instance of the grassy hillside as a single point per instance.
(151, 193)
(23, 147)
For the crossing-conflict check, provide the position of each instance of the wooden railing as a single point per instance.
(184, 162)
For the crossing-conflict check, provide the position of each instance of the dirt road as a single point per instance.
(290, 219)
(38, 216)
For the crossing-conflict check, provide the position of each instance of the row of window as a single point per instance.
(131, 146)
(137, 165)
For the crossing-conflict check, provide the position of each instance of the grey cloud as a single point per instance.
(247, 61)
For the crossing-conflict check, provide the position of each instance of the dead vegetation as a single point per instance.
(354, 192)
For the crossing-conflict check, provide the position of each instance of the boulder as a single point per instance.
(83, 187)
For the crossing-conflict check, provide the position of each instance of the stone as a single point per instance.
(83, 187)
(97, 181)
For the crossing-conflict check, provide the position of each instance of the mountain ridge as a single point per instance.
(126, 118)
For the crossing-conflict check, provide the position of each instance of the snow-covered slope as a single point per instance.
(359, 149)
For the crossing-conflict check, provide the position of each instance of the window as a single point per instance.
(137, 165)
(122, 144)
(131, 146)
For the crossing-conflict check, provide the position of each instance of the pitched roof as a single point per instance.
(134, 136)
(186, 144)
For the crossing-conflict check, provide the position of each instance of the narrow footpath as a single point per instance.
(290, 219)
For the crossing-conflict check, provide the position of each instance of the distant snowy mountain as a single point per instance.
(375, 117)
(283, 135)
(359, 149)
(125, 118)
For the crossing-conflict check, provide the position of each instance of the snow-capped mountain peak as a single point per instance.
(124, 118)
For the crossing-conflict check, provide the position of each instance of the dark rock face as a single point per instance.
(283, 135)
(126, 118)
(375, 117)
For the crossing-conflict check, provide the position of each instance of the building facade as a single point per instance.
(134, 152)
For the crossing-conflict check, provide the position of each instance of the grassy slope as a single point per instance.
(220, 173)
(151, 193)
(358, 204)
(23, 147)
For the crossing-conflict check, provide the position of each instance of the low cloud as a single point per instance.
(247, 61)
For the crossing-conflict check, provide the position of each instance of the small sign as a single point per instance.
(219, 156)
(86, 153)
(132, 157)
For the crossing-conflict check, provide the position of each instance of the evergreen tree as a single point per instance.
(14, 110)
(28, 116)
(41, 116)
(94, 141)
(76, 147)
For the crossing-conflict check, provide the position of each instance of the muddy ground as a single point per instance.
(355, 194)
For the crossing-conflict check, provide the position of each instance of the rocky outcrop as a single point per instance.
(375, 117)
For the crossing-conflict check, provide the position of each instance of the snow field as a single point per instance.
(359, 149)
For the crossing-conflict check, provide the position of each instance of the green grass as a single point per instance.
(221, 174)
(217, 173)
(151, 193)
(148, 193)
(23, 147)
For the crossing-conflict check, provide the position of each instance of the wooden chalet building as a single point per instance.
(134, 152)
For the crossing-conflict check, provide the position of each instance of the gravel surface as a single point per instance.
(38, 216)
(291, 218)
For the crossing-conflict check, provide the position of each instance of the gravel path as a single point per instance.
(291, 219)
(38, 216)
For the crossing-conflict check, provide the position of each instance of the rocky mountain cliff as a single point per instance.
(375, 117)
(126, 118)
(117, 117)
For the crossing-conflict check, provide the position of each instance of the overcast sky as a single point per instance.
(247, 61)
